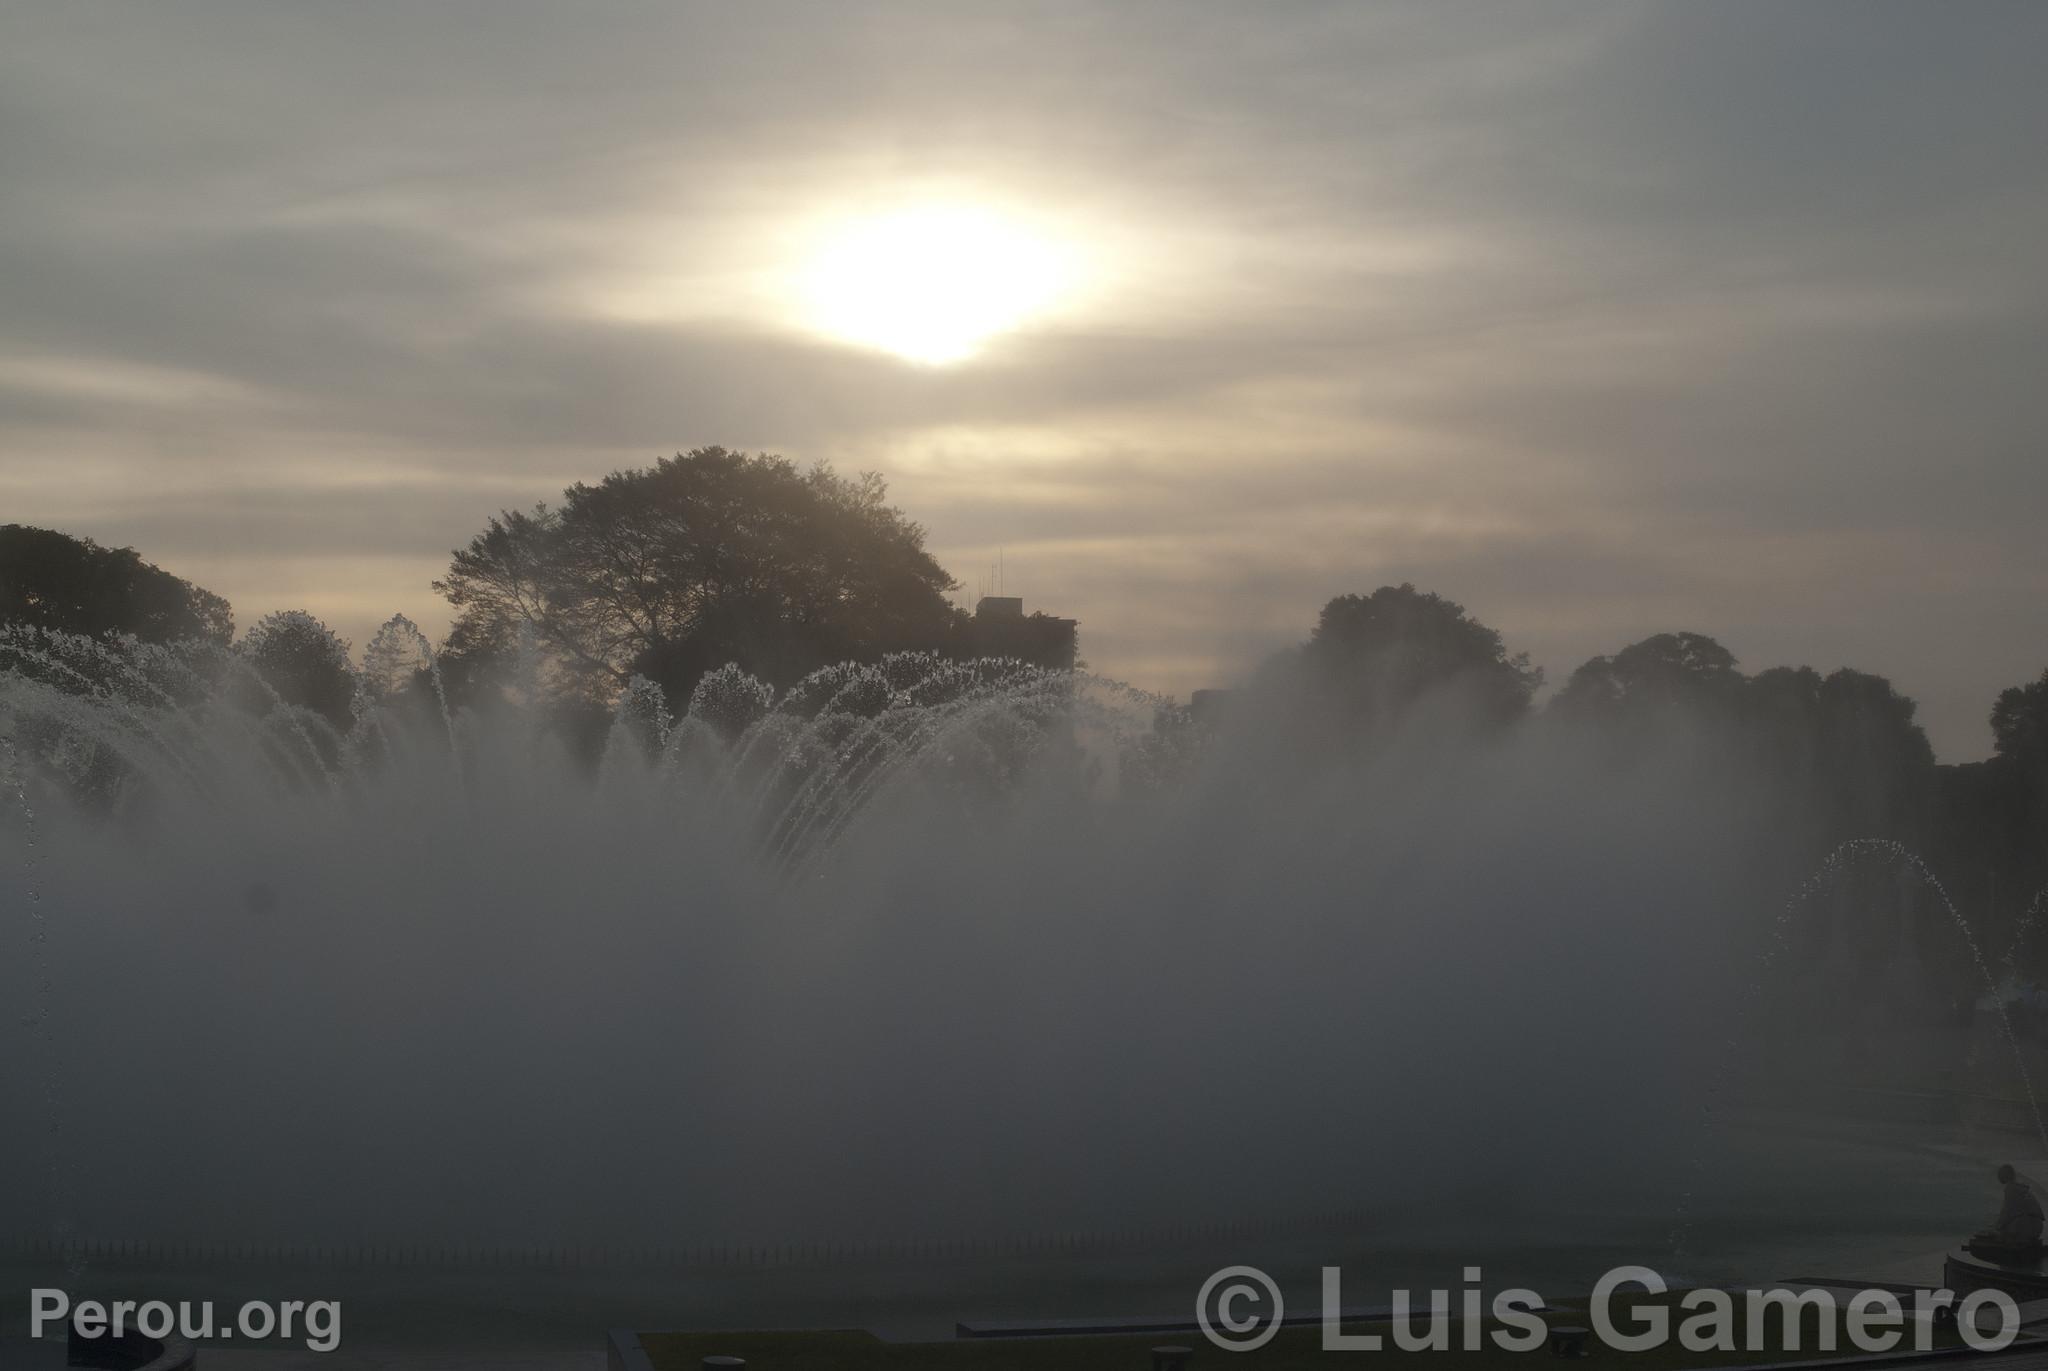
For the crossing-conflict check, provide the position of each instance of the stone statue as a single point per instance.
(2016, 1232)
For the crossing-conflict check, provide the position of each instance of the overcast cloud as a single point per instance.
(1602, 319)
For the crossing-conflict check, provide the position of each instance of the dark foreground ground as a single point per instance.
(1818, 1196)
(1291, 1349)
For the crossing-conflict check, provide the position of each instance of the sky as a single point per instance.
(1603, 320)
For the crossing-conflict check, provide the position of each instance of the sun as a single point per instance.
(934, 283)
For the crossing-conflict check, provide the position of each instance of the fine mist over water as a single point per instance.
(928, 950)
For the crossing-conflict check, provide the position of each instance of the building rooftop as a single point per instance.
(999, 607)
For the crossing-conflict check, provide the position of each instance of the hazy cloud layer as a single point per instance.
(1603, 319)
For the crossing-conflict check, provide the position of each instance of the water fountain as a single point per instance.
(913, 954)
(1742, 1040)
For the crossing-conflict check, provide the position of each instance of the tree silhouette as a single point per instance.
(2019, 729)
(1658, 674)
(73, 585)
(478, 652)
(703, 559)
(304, 662)
(1372, 657)
(1880, 760)
(2019, 723)
(396, 662)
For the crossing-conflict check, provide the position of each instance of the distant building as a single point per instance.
(1001, 628)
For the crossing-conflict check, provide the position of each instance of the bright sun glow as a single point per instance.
(932, 284)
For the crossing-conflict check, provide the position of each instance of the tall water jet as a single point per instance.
(1845, 858)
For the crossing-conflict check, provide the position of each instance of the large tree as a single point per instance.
(703, 559)
(73, 585)
(1825, 758)
(304, 662)
(2019, 723)
(1665, 672)
(2018, 779)
(1845, 748)
(1372, 657)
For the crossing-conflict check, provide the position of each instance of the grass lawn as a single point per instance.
(1292, 1347)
